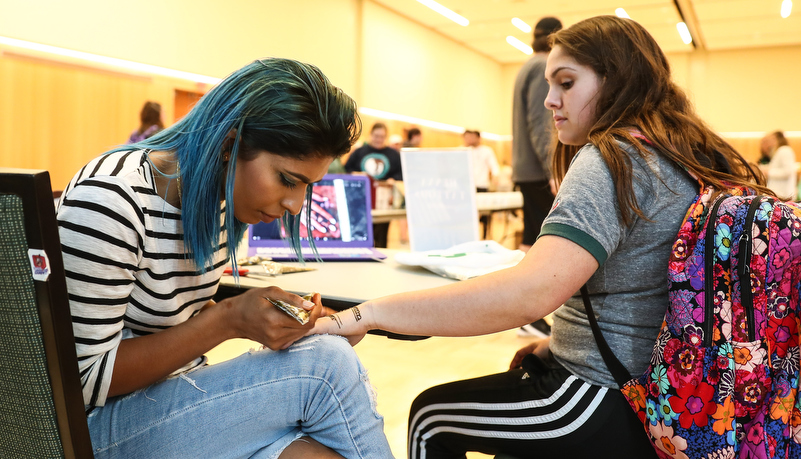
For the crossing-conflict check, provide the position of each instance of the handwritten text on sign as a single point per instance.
(440, 198)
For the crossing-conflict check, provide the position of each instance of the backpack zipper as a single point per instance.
(744, 267)
(709, 269)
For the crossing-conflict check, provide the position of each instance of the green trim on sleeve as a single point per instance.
(579, 237)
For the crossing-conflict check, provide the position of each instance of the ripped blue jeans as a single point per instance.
(253, 406)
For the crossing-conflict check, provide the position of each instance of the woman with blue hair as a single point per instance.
(147, 230)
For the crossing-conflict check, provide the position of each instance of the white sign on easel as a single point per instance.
(440, 198)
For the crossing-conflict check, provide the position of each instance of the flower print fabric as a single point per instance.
(724, 375)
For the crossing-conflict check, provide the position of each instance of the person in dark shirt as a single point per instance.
(375, 158)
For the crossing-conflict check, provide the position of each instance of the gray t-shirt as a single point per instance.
(629, 289)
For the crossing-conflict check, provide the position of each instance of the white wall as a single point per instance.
(744, 90)
(208, 37)
(412, 70)
(385, 61)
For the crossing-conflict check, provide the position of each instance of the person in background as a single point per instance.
(149, 122)
(147, 231)
(781, 171)
(531, 139)
(375, 158)
(632, 137)
(531, 135)
(413, 138)
(485, 167)
(485, 163)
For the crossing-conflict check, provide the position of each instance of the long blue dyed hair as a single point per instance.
(282, 106)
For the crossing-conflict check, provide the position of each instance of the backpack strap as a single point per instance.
(619, 372)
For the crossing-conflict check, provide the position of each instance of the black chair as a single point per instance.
(41, 406)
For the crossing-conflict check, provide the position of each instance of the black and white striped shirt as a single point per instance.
(127, 274)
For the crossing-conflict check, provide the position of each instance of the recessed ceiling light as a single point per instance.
(521, 24)
(621, 13)
(787, 8)
(461, 20)
(519, 44)
(684, 33)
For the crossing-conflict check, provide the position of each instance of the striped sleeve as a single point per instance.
(102, 229)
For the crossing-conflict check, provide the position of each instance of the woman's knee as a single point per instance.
(334, 348)
(333, 354)
(425, 398)
(425, 404)
(450, 392)
(344, 372)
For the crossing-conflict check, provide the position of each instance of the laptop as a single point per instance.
(342, 225)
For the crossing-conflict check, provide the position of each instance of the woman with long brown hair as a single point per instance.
(150, 122)
(631, 142)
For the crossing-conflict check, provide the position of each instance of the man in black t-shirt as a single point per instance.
(375, 158)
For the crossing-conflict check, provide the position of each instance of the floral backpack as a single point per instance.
(723, 380)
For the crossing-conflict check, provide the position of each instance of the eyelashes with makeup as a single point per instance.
(286, 182)
(564, 85)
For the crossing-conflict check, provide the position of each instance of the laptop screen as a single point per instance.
(340, 216)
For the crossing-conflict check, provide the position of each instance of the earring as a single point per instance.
(226, 156)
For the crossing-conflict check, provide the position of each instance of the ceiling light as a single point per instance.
(461, 20)
(684, 32)
(521, 24)
(787, 7)
(111, 61)
(621, 13)
(519, 44)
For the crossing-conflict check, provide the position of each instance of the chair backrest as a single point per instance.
(41, 405)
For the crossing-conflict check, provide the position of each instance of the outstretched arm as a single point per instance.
(552, 271)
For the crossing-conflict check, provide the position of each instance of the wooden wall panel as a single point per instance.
(57, 116)
(184, 101)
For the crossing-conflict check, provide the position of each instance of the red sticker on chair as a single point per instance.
(40, 264)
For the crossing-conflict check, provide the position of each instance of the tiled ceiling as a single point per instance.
(715, 24)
